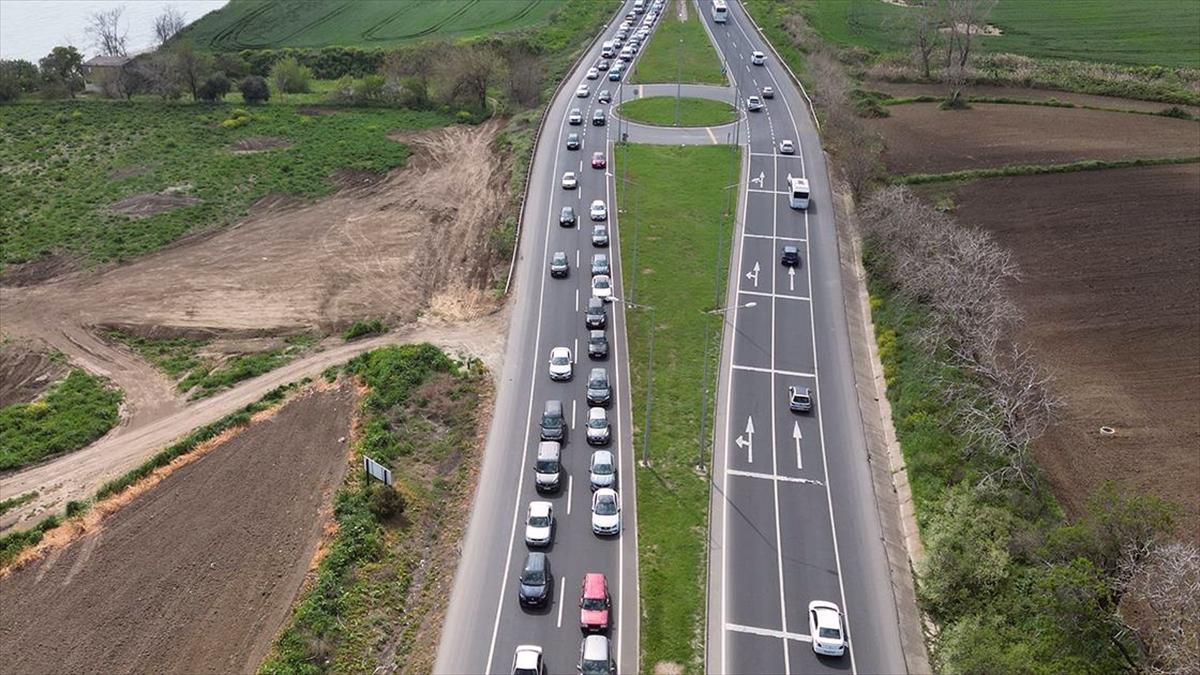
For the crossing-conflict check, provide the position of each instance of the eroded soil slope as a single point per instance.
(1111, 294)
(196, 574)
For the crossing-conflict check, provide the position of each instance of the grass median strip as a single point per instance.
(678, 51)
(689, 112)
(675, 233)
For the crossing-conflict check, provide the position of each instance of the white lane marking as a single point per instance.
(771, 236)
(821, 425)
(796, 436)
(576, 292)
(747, 441)
(575, 352)
(760, 180)
(770, 192)
(753, 274)
(791, 278)
(768, 632)
(773, 477)
(573, 414)
(774, 371)
(569, 494)
(560, 598)
(577, 267)
(782, 296)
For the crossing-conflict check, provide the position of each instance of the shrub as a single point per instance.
(75, 507)
(369, 89)
(233, 65)
(385, 502)
(290, 77)
(1175, 111)
(254, 89)
(214, 88)
(363, 328)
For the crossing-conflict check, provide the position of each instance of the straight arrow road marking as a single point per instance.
(753, 276)
(796, 437)
(791, 278)
(747, 441)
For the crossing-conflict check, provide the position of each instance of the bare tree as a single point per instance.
(964, 20)
(1165, 581)
(108, 35)
(158, 75)
(524, 70)
(168, 24)
(923, 25)
(468, 72)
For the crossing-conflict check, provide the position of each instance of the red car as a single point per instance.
(594, 603)
(598, 160)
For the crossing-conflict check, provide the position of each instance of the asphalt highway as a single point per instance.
(793, 507)
(485, 622)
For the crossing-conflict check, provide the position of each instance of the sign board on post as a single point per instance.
(377, 470)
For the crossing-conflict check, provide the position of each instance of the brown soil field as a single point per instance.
(921, 138)
(196, 574)
(1111, 294)
(1093, 100)
(25, 373)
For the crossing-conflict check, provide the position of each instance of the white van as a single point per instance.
(626, 53)
(608, 49)
(639, 6)
(798, 199)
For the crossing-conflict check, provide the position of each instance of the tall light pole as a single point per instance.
(707, 385)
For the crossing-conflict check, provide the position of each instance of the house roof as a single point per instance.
(107, 61)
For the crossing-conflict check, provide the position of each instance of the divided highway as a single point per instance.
(793, 508)
(485, 622)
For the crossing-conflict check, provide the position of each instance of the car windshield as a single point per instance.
(606, 506)
(547, 466)
(597, 423)
(829, 633)
(560, 360)
(552, 422)
(594, 668)
(560, 260)
(597, 382)
(602, 468)
(593, 603)
(533, 577)
(601, 282)
(539, 521)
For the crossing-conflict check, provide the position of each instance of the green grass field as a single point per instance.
(1147, 32)
(65, 163)
(272, 24)
(692, 112)
(73, 413)
(674, 242)
(678, 51)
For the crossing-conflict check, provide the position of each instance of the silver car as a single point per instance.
(603, 470)
(539, 524)
(597, 428)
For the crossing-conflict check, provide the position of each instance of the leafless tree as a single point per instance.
(108, 34)
(923, 25)
(1164, 579)
(524, 70)
(168, 24)
(468, 72)
(157, 74)
(964, 19)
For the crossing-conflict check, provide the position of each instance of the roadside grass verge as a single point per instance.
(67, 163)
(678, 51)
(675, 235)
(73, 413)
(692, 112)
(371, 603)
(13, 543)
(1037, 169)
(173, 356)
(12, 503)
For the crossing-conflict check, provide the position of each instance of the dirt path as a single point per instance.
(76, 476)
(682, 10)
(195, 575)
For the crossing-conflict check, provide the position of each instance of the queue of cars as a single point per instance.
(536, 579)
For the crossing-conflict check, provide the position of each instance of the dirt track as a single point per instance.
(1112, 299)
(923, 139)
(195, 575)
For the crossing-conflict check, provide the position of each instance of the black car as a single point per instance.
(554, 424)
(566, 218)
(605, 96)
(596, 317)
(559, 267)
(597, 344)
(573, 141)
(598, 391)
(536, 580)
(791, 256)
(599, 119)
(602, 65)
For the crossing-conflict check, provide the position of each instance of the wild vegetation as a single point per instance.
(678, 51)
(674, 205)
(73, 413)
(687, 112)
(394, 549)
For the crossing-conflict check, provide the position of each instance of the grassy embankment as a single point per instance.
(673, 210)
(692, 112)
(678, 51)
(66, 163)
(253, 24)
(12, 544)
(73, 413)
(388, 564)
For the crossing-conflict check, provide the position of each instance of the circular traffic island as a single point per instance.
(689, 112)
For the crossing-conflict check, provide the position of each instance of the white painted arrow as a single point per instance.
(753, 275)
(761, 177)
(747, 443)
(796, 437)
(791, 278)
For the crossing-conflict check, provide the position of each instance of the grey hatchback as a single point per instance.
(598, 391)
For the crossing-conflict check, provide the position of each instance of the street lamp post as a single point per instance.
(707, 385)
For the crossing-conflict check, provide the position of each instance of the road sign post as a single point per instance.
(377, 471)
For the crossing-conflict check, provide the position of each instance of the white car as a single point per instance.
(754, 104)
(576, 117)
(527, 660)
(560, 364)
(786, 147)
(599, 210)
(569, 181)
(602, 286)
(602, 473)
(606, 512)
(593, 73)
(594, 658)
(597, 428)
(583, 91)
(825, 627)
(757, 58)
(539, 524)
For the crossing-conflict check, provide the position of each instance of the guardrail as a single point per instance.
(811, 109)
(537, 136)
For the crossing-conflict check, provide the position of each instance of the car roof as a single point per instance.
(791, 249)
(598, 202)
(526, 657)
(596, 334)
(540, 508)
(827, 613)
(594, 583)
(603, 454)
(596, 372)
(605, 492)
(561, 350)
(535, 560)
(595, 648)
(597, 411)
(554, 405)
(595, 302)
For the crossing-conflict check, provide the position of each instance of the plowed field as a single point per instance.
(195, 575)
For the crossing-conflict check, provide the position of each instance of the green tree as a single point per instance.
(289, 76)
(1121, 520)
(254, 89)
(62, 68)
(215, 87)
(967, 558)
(191, 67)
(17, 77)
(233, 65)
